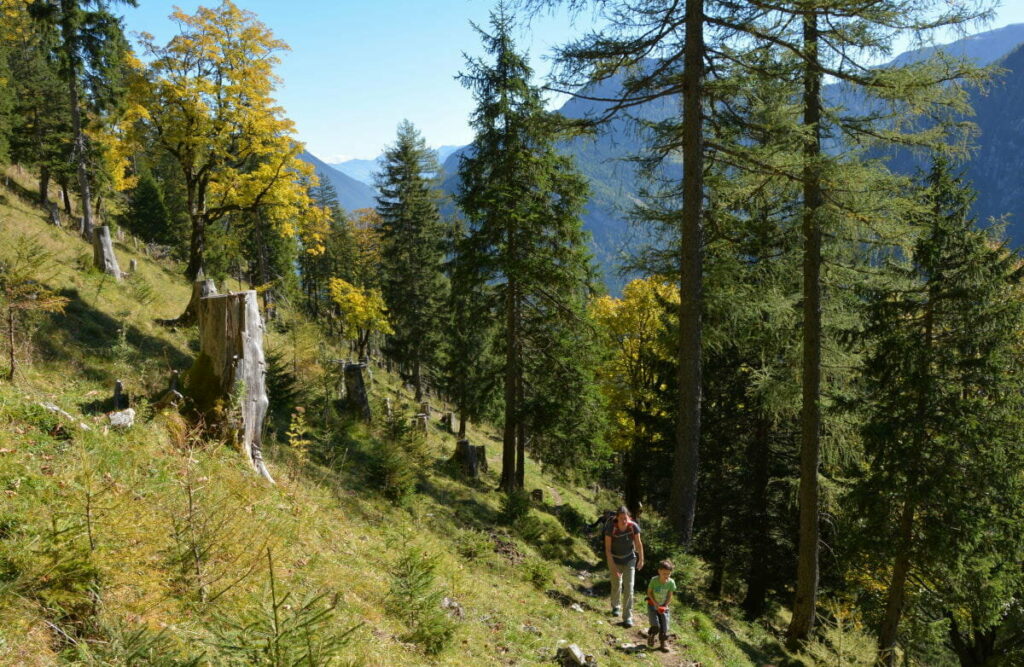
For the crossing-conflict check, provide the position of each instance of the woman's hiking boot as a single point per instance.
(664, 644)
(652, 636)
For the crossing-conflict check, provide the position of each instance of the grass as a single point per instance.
(152, 546)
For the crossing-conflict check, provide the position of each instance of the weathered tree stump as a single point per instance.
(425, 408)
(133, 266)
(537, 495)
(103, 257)
(120, 398)
(420, 422)
(387, 406)
(447, 420)
(472, 460)
(357, 399)
(228, 380)
(201, 289)
(54, 215)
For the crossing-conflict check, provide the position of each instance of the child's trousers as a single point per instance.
(659, 622)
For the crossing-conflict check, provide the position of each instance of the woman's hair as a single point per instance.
(622, 510)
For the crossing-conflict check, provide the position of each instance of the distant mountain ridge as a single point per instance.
(603, 159)
(365, 170)
(352, 194)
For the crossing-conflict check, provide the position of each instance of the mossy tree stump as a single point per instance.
(228, 380)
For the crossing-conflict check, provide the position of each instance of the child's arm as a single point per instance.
(650, 595)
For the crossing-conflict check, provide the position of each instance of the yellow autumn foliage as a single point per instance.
(362, 310)
(634, 328)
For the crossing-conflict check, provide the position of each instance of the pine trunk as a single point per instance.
(805, 601)
(79, 147)
(683, 497)
(508, 451)
(44, 185)
(897, 590)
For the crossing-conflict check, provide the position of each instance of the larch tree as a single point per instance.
(412, 254)
(522, 202)
(208, 100)
(909, 104)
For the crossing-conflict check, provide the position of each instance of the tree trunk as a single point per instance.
(897, 590)
(231, 371)
(44, 185)
(686, 464)
(417, 380)
(196, 247)
(66, 197)
(103, 257)
(201, 288)
(521, 450)
(355, 391)
(508, 450)
(631, 482)
(757, 576)
(807, 559)
(462, 425)
(79, 148)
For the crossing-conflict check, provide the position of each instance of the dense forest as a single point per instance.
(811, 396)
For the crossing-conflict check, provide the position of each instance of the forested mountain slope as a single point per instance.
(157, 546)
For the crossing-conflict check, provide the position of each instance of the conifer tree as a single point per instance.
(522, 202)
(337, 259)
(148, 216)
(412, 253)
(945, 420)
(91, 53)
(471, 372)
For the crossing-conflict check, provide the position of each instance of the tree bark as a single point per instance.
(66, 197)
(757, 576)
(10, 344)
(355, 391)
(196, 247)
(80, 147)
(103, 256)
(686, 464)
(44, 185)
(897, 589)
(230, 371)
(805, 601)
(508, 450)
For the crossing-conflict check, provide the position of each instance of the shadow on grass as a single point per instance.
(86, 337)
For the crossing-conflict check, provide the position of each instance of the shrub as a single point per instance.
(538, 572)
(473, 544)
(515, 505)
(416, 601)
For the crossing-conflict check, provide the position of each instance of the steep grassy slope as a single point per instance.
(154, 546)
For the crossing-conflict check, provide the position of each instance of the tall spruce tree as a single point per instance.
(945, 420)
(412, 254)
(523, 201)
(471, 372)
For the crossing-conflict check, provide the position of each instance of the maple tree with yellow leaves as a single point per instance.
(207, 96)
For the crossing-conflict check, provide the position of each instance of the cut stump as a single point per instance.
(103, 257)
(228, 380)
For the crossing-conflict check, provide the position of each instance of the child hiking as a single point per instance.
(659, 595)
(625, 555)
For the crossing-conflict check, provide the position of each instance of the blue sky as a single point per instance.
(358, 67)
